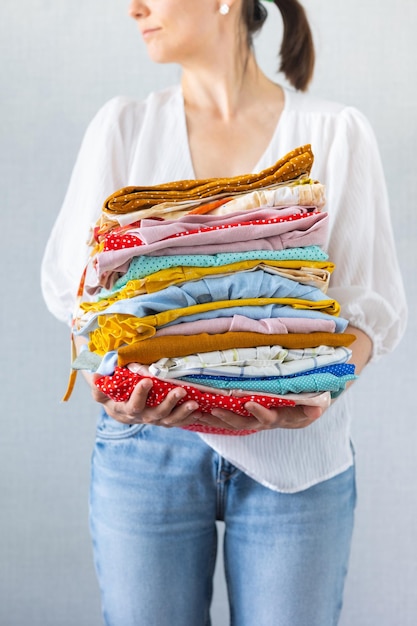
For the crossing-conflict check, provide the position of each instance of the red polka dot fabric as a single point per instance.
(119, 387)
(120, 242)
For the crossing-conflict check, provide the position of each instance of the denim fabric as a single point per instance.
(156, 494)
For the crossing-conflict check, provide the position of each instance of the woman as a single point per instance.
(286, 493)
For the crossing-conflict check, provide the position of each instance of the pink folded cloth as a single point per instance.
(152, 230)
(304, 230)
(273, 325)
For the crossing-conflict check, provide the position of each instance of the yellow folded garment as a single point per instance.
(301, 271)
(151, 350)
(117, 329)
(296, 163)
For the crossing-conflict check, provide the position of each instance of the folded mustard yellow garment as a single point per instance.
(296, 163)
(302, 191)
(318, 271)
(150, 350)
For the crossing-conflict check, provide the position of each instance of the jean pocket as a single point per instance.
(109, 428)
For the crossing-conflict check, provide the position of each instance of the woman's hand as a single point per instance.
(262, 418)
(134, 411)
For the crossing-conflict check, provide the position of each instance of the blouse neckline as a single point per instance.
(263, 161)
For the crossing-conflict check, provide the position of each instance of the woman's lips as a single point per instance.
(149, 31)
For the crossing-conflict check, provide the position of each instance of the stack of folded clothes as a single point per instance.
(219, 286)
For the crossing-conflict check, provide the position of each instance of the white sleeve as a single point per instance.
(367, 280)
(101, 168)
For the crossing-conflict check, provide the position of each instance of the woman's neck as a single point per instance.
(226, 90)
(230, 117)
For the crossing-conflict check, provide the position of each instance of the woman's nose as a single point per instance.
(137, 8)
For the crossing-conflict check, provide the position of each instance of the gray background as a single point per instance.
(60, 62)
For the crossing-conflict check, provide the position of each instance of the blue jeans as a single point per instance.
(156, 494)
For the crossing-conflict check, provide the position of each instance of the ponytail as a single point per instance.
(297, 47)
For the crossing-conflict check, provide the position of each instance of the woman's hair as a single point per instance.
(297, 47)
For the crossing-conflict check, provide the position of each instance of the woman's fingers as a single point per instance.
(168, 413)
(263, 419)
(284, 417)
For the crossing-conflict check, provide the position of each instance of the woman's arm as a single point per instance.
(361, 349)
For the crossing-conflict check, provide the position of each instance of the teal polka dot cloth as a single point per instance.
(142, 266)
(301, 384)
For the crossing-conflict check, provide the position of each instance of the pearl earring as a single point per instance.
(224, 9)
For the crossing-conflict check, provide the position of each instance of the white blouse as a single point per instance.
(132, 142)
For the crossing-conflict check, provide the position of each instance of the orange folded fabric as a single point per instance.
(148, 351)
(296, 163)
